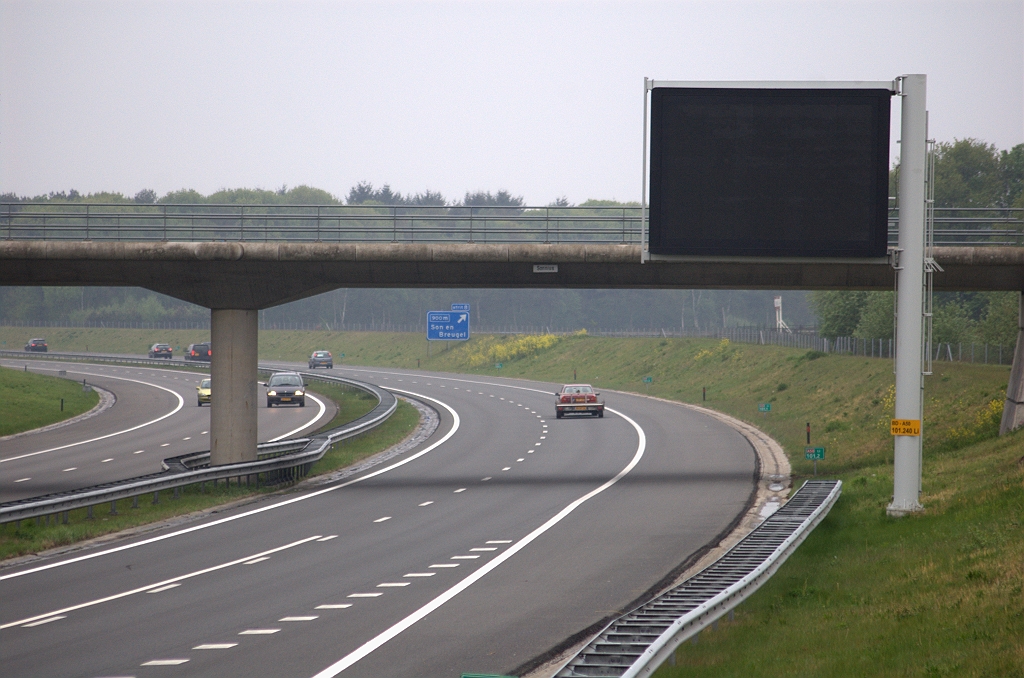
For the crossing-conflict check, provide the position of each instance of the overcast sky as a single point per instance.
(543, 99)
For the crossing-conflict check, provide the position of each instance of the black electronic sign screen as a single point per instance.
(769, 172)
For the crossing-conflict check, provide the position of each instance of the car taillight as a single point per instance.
(591, 399)
(565, 399)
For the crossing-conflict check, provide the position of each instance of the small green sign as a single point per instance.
(498, 365)
(648, 380)
(764, 407)
(342, 355)
(814, 453)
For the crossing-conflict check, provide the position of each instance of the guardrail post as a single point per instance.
(113, 508)
(88, 513)
(156, 497)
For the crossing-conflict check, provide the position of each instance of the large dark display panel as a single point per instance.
(769, 172)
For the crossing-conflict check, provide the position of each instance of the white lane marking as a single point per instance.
(392, 584)
(255, 560)
(464, 557)
(529, 451)
(456, 421)
(309, 617)
(499, 541)
(138, 451)
(215, 646)
(328, 537)
(323, 408)
(419, 574)
(258, 632)
(520, 459)
(364, 595)
(537, 444)
(543, 437)
(181, 404)
(461, 489)
(507, 468)
(45, 621)
(21, 480)
(487, 478)
(382, 638)
(542, 421)
(164, 662)
(187, 438)
(333, 607)
(484, 548)
(73, 468)
(158, 584)
(164, 444)
(164, 588)
(106, 460)
(445, 565)
(381, 520)
(203, 433)
(426, 503)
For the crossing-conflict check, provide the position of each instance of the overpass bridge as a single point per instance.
(236, 260)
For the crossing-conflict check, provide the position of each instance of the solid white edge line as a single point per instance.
(181, 404)
(246, 514)
(123, 594)
(374, 643)
(323, 408)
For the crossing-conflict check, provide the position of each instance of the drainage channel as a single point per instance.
(638, 642)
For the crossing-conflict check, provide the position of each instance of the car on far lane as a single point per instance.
(36, 345)
(286, 387)
(321, 359)
(578, 399)
(200, 351)
(203, 392)
(161, 351)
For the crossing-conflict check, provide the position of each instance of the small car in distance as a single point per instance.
(286, 387)
(161, 351)
(200, 351)
(203, 392)
(578, 399)
(321, 359)
(38, 345)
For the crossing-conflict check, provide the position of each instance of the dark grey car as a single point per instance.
(286, 387)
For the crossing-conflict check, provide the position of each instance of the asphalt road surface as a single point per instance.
(505, 533)
(154, 417)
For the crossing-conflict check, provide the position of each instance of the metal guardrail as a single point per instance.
(637, 643)
(284, 460)
(406, 224)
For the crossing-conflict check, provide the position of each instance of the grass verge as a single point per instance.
(29, 401)
(30, 537)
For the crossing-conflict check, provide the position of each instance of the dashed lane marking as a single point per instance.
(164, 662)
(335, 606)
(507, 468)
(461, 489)
(106, 460)
(45, 621)
(520, 459)
(308, 617)
(392, 584)
(426, 503)
(328, 537)
(258, 632)
(364, 595)
(464, 557)
(21, 480)
(419, 574)
(487, 478)
(138, 451)
(73, 468)
(215, 646)
(445, 565)
(500, 541)
(381, 520)
(484, 548)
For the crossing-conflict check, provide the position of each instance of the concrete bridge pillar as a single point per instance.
(1013, 410)
(233, 370)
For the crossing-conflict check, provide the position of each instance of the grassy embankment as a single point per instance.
(29, 400)
(938, 593)
(30, 538)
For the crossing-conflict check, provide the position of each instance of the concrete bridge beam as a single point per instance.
(1013, 410)
(235, 394)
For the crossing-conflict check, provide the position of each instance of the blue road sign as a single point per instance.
(460, 307)
(447, 326)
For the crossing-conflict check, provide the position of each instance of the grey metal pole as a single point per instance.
(910, 295)
(644, 252)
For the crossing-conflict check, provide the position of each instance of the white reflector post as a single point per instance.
(910, 295)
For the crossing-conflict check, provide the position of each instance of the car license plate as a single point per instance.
(285, 399)
(581, 408)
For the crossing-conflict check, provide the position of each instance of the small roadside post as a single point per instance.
(704, 394)
(814, 453)
(647, 380)
(764, 408)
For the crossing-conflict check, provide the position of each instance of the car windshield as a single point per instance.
(205, 383)
(285, 380)
(320, 354)
(161, 346)
(577, 390)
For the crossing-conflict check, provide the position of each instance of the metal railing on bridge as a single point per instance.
(406, 224)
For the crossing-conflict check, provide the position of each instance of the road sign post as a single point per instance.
(764, 408)
(814, 453)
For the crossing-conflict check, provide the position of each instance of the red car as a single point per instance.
(578, 399)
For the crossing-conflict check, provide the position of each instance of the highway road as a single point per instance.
(155, 416)
(502, 535)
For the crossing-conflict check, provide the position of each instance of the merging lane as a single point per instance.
(155, 416)
(503, 534)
